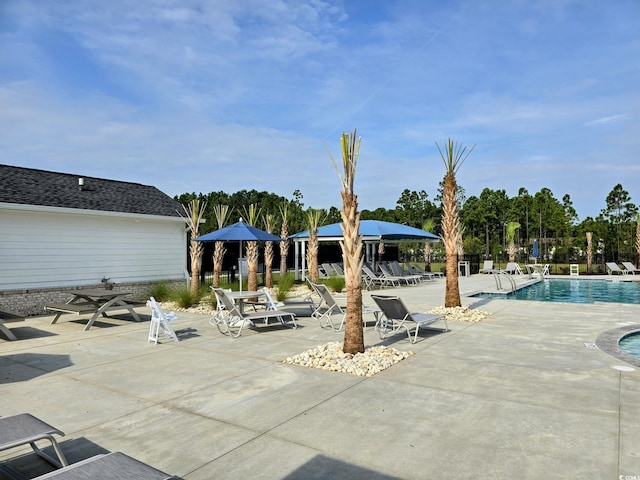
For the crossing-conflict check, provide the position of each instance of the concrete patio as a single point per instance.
(522, 394)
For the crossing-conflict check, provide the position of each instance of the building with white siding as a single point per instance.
(62, 231)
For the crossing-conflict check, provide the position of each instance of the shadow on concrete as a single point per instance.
(20, 367)
(323, 467)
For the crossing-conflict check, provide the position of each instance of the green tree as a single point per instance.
(413, 208)
(621, 214)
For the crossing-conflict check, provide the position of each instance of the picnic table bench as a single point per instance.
(96, 301)
(6, 317)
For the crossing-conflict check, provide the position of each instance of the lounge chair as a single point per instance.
(487, 267)
(230, 321)
(328, 270)
(513, 268)
(381, 280)
(396, 316)
(6, 317)
(413, 270)
(396, 269)
(418, 270)
(337, 268)
(630, 268)
(23, 429)
(614, 268)
(328, 307)
(107, 467)
(273, 305)
(407, 279)
(160, 322)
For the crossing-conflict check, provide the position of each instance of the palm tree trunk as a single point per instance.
(312, 256)
(353, 259)
(252, 266)
(218, 257)
(589, 252)
(638, 243)
(268, 261)
(450, 234)
(284, 247)
(196, 249)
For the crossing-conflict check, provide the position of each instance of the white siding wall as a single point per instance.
(62, 247)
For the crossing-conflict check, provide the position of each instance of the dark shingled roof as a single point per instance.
(28, 186)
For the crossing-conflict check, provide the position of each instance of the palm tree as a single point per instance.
(194, 213)
(428, 226)
(638, 241)
(511, 236)
(453, 158)
(251, 215)
(284, 235)
(268, 221)
(460, 239)
(351, 244)
(222, 213)
(314, 219)
(589, 252)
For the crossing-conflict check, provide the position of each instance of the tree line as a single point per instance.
(484, 220)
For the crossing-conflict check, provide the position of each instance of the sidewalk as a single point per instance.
(518, 395)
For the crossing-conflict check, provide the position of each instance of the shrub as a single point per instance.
(161, 291)
(285, 283)
(184, 298)
(335, 283)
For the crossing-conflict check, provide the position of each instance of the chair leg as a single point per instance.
(62, 462)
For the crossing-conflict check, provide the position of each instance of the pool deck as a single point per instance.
(523, 394)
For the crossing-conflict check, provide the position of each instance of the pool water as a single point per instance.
(575, 291)
(631, 344)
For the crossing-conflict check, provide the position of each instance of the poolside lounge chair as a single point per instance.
(337, 268)
(513, 268)
(407, 279)
(160, 322)
(614, 268)
(23, 429)
(329, 307)
(272, 304)
(230, 320)
(106, 467)
(487, 267)
(630, 268)
(371, 279)
(396, 317)
(413, 270)
(397, 270)
(418, 270)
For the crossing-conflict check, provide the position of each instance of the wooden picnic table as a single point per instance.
(96, 301)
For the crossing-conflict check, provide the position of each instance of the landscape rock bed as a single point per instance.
(331, 357)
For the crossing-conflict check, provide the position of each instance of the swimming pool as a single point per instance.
(575, 291)
(631, 344)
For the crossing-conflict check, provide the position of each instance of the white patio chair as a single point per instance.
(160, 322)
(487, 267)
(630, 268)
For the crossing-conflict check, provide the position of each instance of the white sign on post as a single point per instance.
(243, 270)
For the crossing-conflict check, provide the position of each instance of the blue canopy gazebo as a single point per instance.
(372, 232)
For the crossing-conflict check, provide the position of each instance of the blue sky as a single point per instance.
(201, 96)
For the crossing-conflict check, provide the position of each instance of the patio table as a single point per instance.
(96, 301)
(240, 297)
